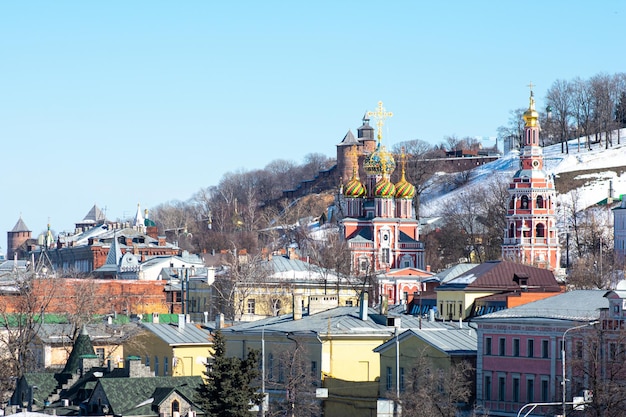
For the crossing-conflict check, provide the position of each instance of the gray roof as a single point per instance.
(174, 335)
(453, 272)
(348, 140)
(578, 305)
(20, 226)
(98, 332)
(446, 337)
(339, 321)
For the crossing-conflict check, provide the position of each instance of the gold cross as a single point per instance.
(380, 115)
(531, 87)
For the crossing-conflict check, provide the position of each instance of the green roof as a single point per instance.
(127, 396)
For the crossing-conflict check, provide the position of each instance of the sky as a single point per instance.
(120, 103)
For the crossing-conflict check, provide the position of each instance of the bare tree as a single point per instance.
(560, 98)
(436, 392)
(21, 316)
(297, 379)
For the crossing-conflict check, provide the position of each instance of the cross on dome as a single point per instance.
(380, 115)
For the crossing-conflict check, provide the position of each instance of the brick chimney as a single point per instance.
(161, 240)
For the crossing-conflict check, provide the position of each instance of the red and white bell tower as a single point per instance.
(531, 236)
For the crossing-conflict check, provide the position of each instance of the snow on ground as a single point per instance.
(596, 186)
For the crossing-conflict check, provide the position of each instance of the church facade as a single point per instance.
(378, 219)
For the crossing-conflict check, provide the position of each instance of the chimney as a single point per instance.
(155, 318)
(181, 321)
(297, 306)
(210, 275)
(161, 240)
(206, 318)
(219, 321)
(363, 305)
(384, 304)
(431, 315)
(427, 268)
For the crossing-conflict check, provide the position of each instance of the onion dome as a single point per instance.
(531, 116)
(384, 189)
(379, 162)
(354, 188)
(404, 189)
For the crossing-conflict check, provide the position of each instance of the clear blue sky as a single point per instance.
(125, 102)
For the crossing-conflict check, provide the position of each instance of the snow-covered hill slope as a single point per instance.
(596, 185)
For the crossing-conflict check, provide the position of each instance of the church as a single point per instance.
(378, 220)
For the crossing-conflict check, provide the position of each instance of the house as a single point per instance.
(264, 287)
(84, 387)
(510, 283)
(53, 343)
(334, 348)
(519, 352)
(433, 344)
(172, 349)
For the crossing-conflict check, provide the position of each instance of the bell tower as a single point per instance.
(531, 235)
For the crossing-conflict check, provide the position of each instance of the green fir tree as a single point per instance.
(228, 390)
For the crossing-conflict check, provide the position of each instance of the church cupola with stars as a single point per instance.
(378, 220)
(531, 235)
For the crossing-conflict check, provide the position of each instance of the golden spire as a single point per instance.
(403, 162)
(380, 115)
(531, 117)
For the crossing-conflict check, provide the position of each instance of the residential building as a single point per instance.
(531, 235)
(432, 347)
(336, 346)
(519, 353)
(493, 285)
(172, 349)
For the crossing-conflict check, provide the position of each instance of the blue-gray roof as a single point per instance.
(577, 305)
(173, 335)
(446, 337)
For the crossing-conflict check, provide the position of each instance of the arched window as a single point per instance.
(524, 205)
(540, 230)
(175, 407)
(539, 201)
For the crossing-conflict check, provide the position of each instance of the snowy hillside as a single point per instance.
(596, 186)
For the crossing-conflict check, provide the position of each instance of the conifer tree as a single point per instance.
(228, 390)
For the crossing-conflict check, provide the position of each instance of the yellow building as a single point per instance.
(334, 348)
(506, 283)
(180, 349)
(265, 289)
(435, 345)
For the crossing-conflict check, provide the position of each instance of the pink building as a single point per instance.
(519, 352)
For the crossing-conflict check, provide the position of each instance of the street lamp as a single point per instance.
(591, 323)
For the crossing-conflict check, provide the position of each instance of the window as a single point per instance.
(501, 388)
(488, 346)
(524, 202)
(539, 201)
(389, 379)
(251, 305)
(530, 390)
(175, 407)
(348, 303)
(531, 348)
(545, 349)
(540, 230)
(402, 379)
(516, 389)
(516, 347)
(545, 384)
(314, 369)
(156, 365)
(100, 354)
(502, 351)
(487, 393)
(147, 360)
(385, 256)
(165, 366)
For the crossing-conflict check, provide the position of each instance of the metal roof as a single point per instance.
(172, 334)
(446, 337)
(578, 305)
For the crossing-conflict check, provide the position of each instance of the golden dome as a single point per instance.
(531, 116)
(379, 162)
